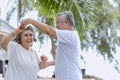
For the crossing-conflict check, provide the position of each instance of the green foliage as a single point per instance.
(97, 21)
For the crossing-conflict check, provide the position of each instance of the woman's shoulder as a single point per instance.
(13, 43)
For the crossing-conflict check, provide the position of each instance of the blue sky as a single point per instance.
(95, 64)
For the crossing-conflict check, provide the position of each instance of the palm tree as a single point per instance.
(95, 21)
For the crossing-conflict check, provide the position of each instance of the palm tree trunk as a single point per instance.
(53, 48)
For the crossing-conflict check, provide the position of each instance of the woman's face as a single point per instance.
(27, 39)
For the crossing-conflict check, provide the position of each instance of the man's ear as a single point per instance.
(66, 21)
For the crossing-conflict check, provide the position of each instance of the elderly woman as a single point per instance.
(24, 63)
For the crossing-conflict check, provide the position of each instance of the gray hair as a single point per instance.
(68, 16)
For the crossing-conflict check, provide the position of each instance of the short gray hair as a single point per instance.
(68, 16)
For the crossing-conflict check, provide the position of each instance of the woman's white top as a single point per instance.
(23, 64)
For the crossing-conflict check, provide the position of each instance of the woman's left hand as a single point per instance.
(43, 58)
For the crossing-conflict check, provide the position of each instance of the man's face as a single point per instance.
(60, 23)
